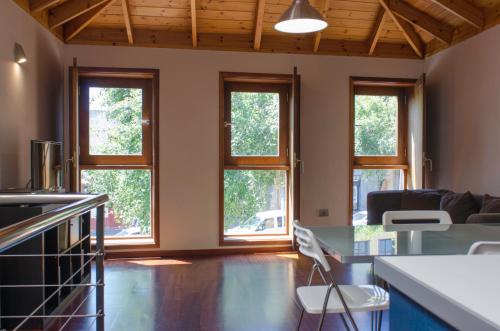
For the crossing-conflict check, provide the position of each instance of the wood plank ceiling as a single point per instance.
(383, 28)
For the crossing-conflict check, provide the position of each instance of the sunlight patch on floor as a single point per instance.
(159, 262)
(293, 256)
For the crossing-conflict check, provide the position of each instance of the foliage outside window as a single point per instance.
(254, 124)
(376, 125)
(115, 123)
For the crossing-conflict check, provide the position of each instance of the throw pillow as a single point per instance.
(459, 205)
(490, 204)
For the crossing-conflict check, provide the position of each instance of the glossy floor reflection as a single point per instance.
(234, 293)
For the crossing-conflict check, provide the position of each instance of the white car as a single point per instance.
(270, 221)
(360, 218)
(132, 231)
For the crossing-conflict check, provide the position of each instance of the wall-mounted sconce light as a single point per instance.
(19, 55)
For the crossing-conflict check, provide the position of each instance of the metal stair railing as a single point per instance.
(13, 235)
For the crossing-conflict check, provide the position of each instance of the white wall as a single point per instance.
(31, 94)
(464, 109)
(189, 109)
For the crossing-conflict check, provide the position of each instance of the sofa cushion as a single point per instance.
(459, 205)
(420, 200)
(490, 204)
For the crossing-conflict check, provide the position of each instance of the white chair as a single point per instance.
(344, 299)
(485, 248)
(415, 217)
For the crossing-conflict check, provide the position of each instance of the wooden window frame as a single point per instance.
(253, 82)
(148, 79)
(379, 86)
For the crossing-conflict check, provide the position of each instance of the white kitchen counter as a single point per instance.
(463, 291)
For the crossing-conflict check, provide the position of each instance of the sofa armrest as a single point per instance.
(377, 203)
(483, 218)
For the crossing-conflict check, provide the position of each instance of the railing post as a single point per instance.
(99, 269)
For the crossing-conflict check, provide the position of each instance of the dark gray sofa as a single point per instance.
(380, 202)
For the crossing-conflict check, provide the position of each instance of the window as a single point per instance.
(386, 247)
(378, 128)
(362, 247)
(254, 160)
(117, 118)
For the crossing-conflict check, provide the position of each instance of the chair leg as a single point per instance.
(321, 320)
(311, 274)
(345, 322)
(325, 305)
(379, 328)
(300, 319)
(346, 308)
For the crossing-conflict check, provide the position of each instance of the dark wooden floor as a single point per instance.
(234, 293)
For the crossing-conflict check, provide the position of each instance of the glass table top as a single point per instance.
(361, 244)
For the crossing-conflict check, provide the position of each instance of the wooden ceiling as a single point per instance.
(384, 28)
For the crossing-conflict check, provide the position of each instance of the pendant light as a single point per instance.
(301, 17)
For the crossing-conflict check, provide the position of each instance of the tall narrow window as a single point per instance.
(116, 124)
(379, 161)
(255, 160)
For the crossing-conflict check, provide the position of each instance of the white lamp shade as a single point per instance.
(301, 17)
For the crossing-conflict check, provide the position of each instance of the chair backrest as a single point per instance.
(416, 217)
(308, 245)
(485, 248)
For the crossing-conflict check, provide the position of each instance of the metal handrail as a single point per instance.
(74, 205)
(15, 234)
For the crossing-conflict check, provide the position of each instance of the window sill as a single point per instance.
(255, 241)
(133, 243)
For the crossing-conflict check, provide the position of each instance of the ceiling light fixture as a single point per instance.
(301, 17)
(19, 55)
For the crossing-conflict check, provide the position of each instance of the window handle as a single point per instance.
(146, 122)
(298, 161)
(427, 160)
(227, 124)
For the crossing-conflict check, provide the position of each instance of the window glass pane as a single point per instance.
(386, 247)
(362, 247)
(255, 124)
(254, 202)
(128, 212)
(115, 121)
(365, 181)
(375, 125)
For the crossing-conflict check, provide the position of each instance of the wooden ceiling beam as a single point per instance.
(376, 30)
(317, 37)
(407, 29)
(259, 22)
(464, 10)
(71, 9)
(75, 26)
(237, 42)
(411, 36)
(420, 19)
(128, 22)
(194, 28)
(37, 6)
